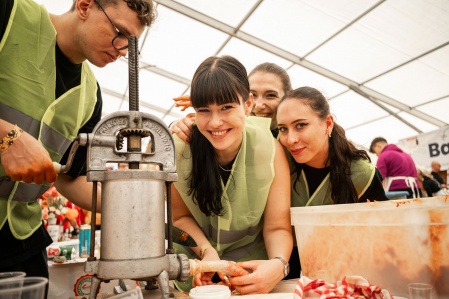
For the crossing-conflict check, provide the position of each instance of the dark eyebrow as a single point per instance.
(122, 30)
(295, 121)
(125, 31)
(266, 91)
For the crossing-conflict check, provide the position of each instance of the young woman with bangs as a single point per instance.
(232, 195)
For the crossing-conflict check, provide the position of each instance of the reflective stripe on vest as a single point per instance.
(232, 237)
(24, 192)
(238, 254)
(228, 237)
(49, 137)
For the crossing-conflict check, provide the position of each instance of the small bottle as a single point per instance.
(66, 235)
(74, 253)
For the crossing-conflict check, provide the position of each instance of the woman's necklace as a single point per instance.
(224, 169)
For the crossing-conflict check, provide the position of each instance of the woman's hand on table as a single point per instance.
(205, 278)
(264, 277)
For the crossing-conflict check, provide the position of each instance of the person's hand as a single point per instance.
(205, 278)
(183, 102)
(183, 127)
(264, 277)
(27, 160)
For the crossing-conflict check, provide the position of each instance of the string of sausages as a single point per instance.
(350, 287)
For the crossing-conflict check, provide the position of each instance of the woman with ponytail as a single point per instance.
(326, 167)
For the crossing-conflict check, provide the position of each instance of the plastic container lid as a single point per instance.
(210, 291)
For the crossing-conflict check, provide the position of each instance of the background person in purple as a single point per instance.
(397, 168)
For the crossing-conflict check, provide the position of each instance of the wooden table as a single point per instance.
(284, 286)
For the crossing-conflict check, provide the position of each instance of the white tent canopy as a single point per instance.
(383, 65)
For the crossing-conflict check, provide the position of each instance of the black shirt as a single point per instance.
(68, 75)
(437, 177)
(430, 185)
(316, 175)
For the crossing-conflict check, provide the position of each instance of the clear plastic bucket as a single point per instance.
(12, 274)
(391, 243)
(23, 288)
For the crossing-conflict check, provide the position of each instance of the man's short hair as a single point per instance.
(434, 163)
(373, 143)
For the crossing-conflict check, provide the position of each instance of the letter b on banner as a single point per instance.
(434, 149)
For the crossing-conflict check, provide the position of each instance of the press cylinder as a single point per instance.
(133, 209)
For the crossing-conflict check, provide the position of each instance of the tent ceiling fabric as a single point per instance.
(383, 65)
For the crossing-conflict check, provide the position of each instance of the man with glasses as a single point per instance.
(48, 95)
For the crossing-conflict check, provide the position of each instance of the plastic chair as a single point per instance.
(409, 181)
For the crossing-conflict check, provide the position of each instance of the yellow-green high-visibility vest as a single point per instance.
(27, 98)
(237, 235)
(362, 174)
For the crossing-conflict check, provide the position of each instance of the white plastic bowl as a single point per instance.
(210, 291)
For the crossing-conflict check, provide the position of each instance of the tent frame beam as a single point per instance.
(369, 93)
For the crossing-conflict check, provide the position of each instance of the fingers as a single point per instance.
(33, 173)
(183, 104)
(184, 137)
(243, 286)
(188, 122)
(246, 286)
(50, 174)
(197, 280)
(37, 178)
(246, 289)
(202, 279)
(183, 128)
(239, 280)
(262, 279)
(235, 270)
(248, 265)
(26, 160)
(225, 279)
(183, 101)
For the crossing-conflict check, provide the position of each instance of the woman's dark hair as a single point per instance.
(341, 150)
(218, 80)
(272, 68)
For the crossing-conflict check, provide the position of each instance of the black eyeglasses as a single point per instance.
(120, 41)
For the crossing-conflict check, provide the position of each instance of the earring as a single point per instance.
(330, 134)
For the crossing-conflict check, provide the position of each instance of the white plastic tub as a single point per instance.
(210, 292)
(390, 243)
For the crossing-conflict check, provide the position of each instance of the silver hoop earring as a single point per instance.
(330, 135)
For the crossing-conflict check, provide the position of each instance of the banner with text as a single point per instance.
(428, 147)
